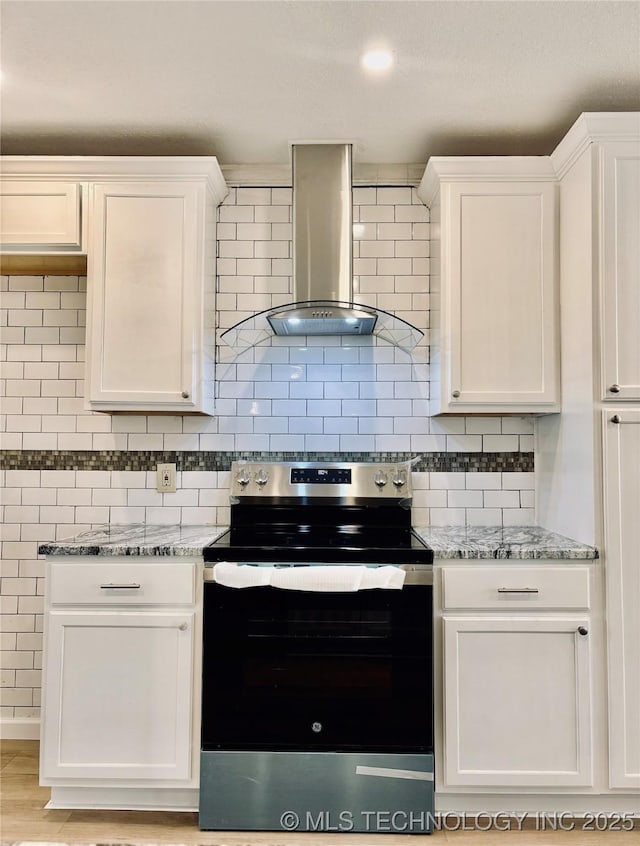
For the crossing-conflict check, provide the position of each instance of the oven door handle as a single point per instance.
(390, 772)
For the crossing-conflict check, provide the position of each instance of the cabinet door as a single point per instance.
(40, 216)
(622, 554)
(499, 297)
(145, 297)
(118, 696)
(516, 702)
(620, 267)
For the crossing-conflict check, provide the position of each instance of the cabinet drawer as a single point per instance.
(530, 588)
(121, 584)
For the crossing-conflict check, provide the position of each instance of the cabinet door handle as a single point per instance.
(617, 419)
(183, 627)
(185, 395)
(583, 631)
(132, 586)
(614, 389)
(518, 590)
(455, 394)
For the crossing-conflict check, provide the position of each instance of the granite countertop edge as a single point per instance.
(517, 543)
(447, 542)
(135, 541)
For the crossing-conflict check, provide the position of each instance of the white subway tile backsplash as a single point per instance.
(518, 481)
(376, 214)
(73, 496)
(483, 517)
(517, 426)
(483, 481)
(146, 442)
(502, 499)
(465, 499)
(102, 442)
(447, 516)
(527, 499)
(126, 515)
(464, 443)
(518, 517)
(306, 390)
(394, 196)
(500, 443)
(109, 496)
(355, 443)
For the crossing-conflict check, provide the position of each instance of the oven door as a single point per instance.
(305, 671)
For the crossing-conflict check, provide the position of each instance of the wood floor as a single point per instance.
(24, 819)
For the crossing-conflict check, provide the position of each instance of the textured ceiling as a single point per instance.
(240, 80)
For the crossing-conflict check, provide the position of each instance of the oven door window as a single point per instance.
(293, 670)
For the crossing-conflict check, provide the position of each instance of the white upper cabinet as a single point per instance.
(494, 346)
(151, 288)
(620, 268)
(40, 216)
(148, 227)
(147, 284)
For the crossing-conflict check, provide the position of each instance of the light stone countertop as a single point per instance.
(508, 543)
(138, 539)
(447, 542)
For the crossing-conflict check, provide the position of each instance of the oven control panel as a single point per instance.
(320, 476)
(297, 480)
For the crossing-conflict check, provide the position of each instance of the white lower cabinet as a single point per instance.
(517, 681)
(119, 695)
(121, 682)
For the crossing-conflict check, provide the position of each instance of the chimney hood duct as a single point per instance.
(322, 251)
(322, 261)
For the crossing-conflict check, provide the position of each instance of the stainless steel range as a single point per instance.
(317, 670)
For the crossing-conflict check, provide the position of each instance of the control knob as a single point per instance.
(262, 477)
(381, 478)
(243, 477)
(400, 479)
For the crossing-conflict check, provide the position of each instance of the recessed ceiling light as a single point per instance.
(377, 60)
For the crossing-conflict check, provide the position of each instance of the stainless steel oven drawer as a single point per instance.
(316, 791)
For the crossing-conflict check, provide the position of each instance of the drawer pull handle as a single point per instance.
(617, 419)
(132, 586)
(518, 590)
(614, 389)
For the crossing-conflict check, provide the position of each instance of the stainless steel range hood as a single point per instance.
(322, 246)
(322, 301)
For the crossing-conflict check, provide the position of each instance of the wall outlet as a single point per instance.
(166, 478)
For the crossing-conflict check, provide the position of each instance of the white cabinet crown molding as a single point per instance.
(590, 128)
(482, 169)
(118, 169)
(101, 168)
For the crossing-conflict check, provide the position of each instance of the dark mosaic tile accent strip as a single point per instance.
(450, 462)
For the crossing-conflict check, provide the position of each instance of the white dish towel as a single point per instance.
(337, 579)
